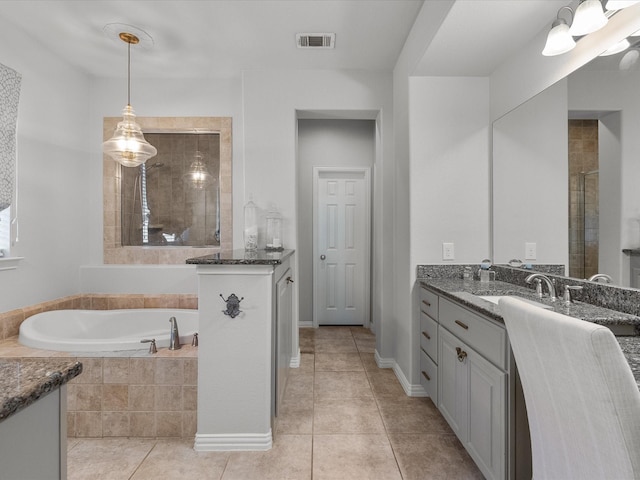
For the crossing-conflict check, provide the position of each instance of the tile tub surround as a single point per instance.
(10, 321)
(120, 394)
(125, 394)
(23, 381)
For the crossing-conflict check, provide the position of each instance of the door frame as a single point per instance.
(366, 171)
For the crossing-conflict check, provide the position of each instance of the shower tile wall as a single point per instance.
(583, 198)
(189, 214)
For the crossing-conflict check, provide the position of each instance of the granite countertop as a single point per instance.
(467, 293)
(23, 381)
(242, 257)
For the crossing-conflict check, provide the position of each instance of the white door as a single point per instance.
(342, 237)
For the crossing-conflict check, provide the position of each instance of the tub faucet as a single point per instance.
(545, 279)
(174, 338)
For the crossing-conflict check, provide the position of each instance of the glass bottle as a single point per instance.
(250, 226)
(274, 230)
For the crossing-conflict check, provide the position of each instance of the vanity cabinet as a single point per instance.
(429, 343)
(465, 355)
(472, 394)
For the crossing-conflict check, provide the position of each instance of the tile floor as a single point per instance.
(342, 418)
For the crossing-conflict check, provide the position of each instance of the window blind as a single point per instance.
(9, 95)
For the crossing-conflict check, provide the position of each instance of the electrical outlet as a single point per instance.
(447, 251)
(529, 251)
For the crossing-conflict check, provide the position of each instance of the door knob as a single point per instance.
(323, 257)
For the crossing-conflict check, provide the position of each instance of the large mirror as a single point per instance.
(173, 199)
(566, 169)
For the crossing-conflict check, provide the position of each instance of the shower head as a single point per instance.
(156, 165)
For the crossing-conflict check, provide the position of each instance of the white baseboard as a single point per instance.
(412, 390)
(305, 324)
(384, 362)
(247, 442)
(295, 360)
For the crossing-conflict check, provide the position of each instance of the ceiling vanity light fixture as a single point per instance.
(619, 4)
(621, 46)
(588, 18)
(128, 146)
(559, 40)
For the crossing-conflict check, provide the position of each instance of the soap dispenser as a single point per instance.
(485, 274)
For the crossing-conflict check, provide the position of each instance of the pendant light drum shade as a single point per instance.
(128, 146)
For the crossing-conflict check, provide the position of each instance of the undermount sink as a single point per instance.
(496, 298)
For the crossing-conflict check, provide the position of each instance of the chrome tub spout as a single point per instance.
(174, 338)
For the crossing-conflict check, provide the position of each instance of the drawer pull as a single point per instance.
(426, 335)
(424, 374)
(466, 327)
(426, 303)
(461, 354)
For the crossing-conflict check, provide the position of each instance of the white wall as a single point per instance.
(610, 258)
(53, 167)
(530, 179)
(324, 143)
(272, 102)
(449, 164)
(400, 328)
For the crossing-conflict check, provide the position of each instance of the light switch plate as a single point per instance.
(447, 251)
(529, 251)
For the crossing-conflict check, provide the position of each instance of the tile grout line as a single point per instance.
(384, 424)
(155, 443)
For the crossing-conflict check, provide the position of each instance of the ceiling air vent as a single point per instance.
(316, 40)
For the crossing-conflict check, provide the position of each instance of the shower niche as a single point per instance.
(178, 201)
(173, 199)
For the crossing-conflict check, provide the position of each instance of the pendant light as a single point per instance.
(559, 40)
(197, 176)
(128, 146)
(588, 18)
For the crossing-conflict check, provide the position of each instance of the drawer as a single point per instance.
(488, 339)
(429, 376)
(429, 303)
(429, 336)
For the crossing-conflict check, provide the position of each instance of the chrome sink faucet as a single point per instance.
(550, 286)
(174, 338)
(600, 276)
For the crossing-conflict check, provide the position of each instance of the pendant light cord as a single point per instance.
(129, 73)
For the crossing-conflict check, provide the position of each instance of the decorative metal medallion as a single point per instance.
(233, 305)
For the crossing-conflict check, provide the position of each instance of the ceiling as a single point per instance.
(220, 38)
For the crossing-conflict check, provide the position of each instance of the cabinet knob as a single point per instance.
(289, 280)
(461, 354)
(426, 335)
(424, 374)
(323, 257)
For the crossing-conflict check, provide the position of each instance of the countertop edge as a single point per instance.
(242, 257)
(38, 388)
